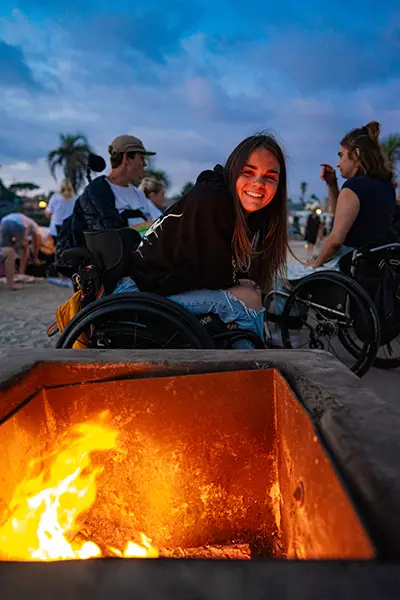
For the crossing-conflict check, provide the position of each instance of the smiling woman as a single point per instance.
(224, 242)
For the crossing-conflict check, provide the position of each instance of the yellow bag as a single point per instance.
(67, 311)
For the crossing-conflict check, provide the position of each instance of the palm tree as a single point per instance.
(22, 186)
(391, 149)
(71, 156)
(303, 188)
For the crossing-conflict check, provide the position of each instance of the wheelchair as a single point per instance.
(353, 313)
(132, 320)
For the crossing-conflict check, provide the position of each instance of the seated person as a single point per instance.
(112, 202)
(16, 229)
(364, 207)
(222, 244)
(154, 190)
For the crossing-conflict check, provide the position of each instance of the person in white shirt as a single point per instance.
(60, 207)
(127, 157)
(112, 202)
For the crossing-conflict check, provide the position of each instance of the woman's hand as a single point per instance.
(328, 174)
(312, 263)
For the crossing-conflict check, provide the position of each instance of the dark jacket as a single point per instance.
(93, 211)
(190, 246)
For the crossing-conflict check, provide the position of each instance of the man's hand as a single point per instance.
(328, 174)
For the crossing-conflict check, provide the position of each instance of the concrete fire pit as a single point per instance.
(281, 461)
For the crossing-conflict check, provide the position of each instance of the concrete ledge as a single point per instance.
(198, 580)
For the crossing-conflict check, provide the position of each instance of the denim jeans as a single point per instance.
(229, 308)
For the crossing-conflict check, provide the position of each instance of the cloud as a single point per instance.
(14, 70)
(37, 172)
(328, 59)
(192, 86)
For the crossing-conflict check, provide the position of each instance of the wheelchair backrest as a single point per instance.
(112, 250)
(377, 270)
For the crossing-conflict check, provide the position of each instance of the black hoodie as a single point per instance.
(190, 246)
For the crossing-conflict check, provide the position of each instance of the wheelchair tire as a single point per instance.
(125, 306)
(386, 363)
(309, 293)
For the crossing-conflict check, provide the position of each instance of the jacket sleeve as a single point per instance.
(98, 206)
(204, 241)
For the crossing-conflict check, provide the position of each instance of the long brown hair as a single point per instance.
(366, 141)
(270, 252)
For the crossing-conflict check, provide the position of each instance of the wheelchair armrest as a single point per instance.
(372, 248)
(74, 256)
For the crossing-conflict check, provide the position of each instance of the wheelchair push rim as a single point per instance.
(328, 306)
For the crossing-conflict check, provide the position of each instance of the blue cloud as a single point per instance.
(328, 59)
(193, 81)
(13, 68)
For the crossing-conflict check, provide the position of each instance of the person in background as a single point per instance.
(364, 207)
(112, 202)
(16, 230)
(60, 207)
(154, 190)
(312, 231)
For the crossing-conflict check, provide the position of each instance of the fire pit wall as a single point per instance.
(205, 458)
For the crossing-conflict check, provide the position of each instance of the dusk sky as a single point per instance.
(192, 79)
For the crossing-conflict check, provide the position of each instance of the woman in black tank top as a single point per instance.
(364, 207)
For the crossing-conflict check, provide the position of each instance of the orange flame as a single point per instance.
(44, 510)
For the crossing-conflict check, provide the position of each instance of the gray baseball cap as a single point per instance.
(128, 143)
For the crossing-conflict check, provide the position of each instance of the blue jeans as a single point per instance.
(229, 308)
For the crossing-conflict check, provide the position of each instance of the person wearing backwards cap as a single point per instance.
(112, 202)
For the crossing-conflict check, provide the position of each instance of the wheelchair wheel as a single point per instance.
(326, 308)
(388, 355)
(135, 320)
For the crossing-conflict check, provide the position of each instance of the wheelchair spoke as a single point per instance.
(135, 330)
(307, 343)
(173, 336)
(331, 347)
